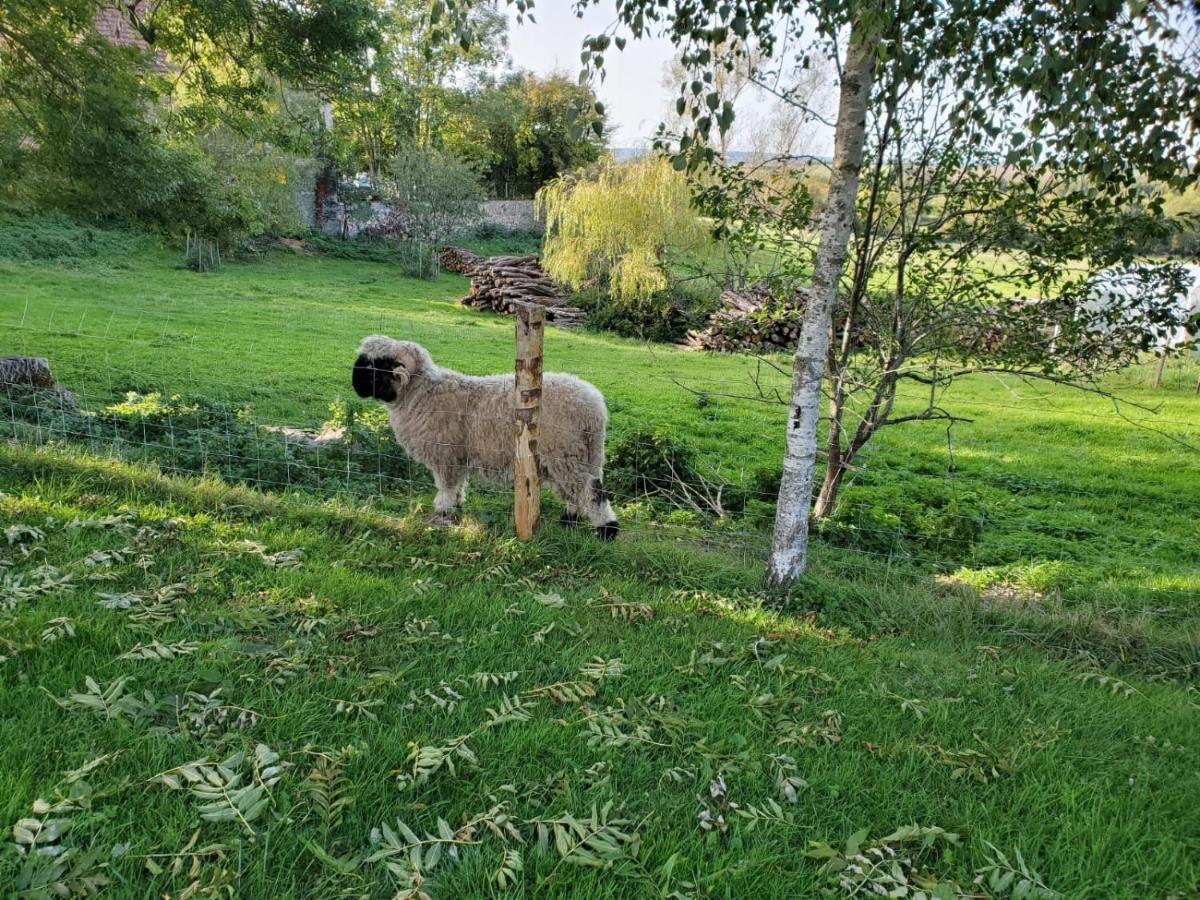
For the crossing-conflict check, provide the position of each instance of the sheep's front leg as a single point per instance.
(451, 493)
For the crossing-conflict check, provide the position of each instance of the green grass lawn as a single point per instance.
(1078, 501)
(384, 638)
(1031, 689)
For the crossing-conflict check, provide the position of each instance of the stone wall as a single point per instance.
(342, 222)
(338, 221)
(515, 215)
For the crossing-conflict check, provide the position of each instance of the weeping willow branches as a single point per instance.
(621, 226)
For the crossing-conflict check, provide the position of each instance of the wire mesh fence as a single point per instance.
(688, 462)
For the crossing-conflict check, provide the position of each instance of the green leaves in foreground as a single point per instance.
(329, 793)
(230, 790)
(508, 873)
(72, 874)
(159, 652)
(111, 701)
(410, 858)
(1006, 879)
(898, 865)
(52, 867)
(600, 841)
(892, 866)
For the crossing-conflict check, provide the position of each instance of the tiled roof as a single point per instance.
(113, 24)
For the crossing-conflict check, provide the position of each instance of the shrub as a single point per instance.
(415, 260)
(887, 521)
(237, 188)
(435, 194)
(661, 477)
(656, 318)
(490, 239)
(54, 237)
(648, 463)
(360, 249)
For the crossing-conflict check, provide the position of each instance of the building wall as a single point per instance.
(113, 25)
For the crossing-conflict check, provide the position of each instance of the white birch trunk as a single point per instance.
(789, 551)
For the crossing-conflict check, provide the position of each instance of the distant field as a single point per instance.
(1029, 687)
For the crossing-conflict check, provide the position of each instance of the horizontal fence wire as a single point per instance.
(186, 437)
(1136, 416)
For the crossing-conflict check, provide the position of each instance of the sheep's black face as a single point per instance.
(373, 378)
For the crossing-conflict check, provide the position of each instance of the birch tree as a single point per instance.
(957, 266)
(789, 542)
(1109, 88)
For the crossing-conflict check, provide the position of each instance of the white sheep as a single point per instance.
(462, 425)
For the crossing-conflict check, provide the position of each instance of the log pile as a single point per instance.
(743, 324)
(456, 259)
(498, 283)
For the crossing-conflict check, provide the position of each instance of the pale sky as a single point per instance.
(633, 91)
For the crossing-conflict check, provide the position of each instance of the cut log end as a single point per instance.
(22, 376)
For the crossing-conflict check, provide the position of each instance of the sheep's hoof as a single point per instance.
(569, 520)
(608, 531)
(443, 519)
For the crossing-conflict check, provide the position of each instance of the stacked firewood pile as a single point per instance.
(498, 283)
(456, 259)
(748, 322)
(1012, 322)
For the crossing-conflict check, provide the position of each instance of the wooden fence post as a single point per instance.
(527, 401)
(1162, 364)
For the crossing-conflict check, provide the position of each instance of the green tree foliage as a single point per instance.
(520, 131)
(412, 86)
(621, 224)
(222, 56)
(134, 133)
(217, 52)
(244, 188)
(193, 121)
(93, 147)
(435, 196)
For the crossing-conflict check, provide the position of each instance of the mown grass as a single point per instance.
(953, 721)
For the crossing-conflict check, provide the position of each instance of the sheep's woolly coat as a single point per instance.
(462, 425)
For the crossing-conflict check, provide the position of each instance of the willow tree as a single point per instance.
(620, 225)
